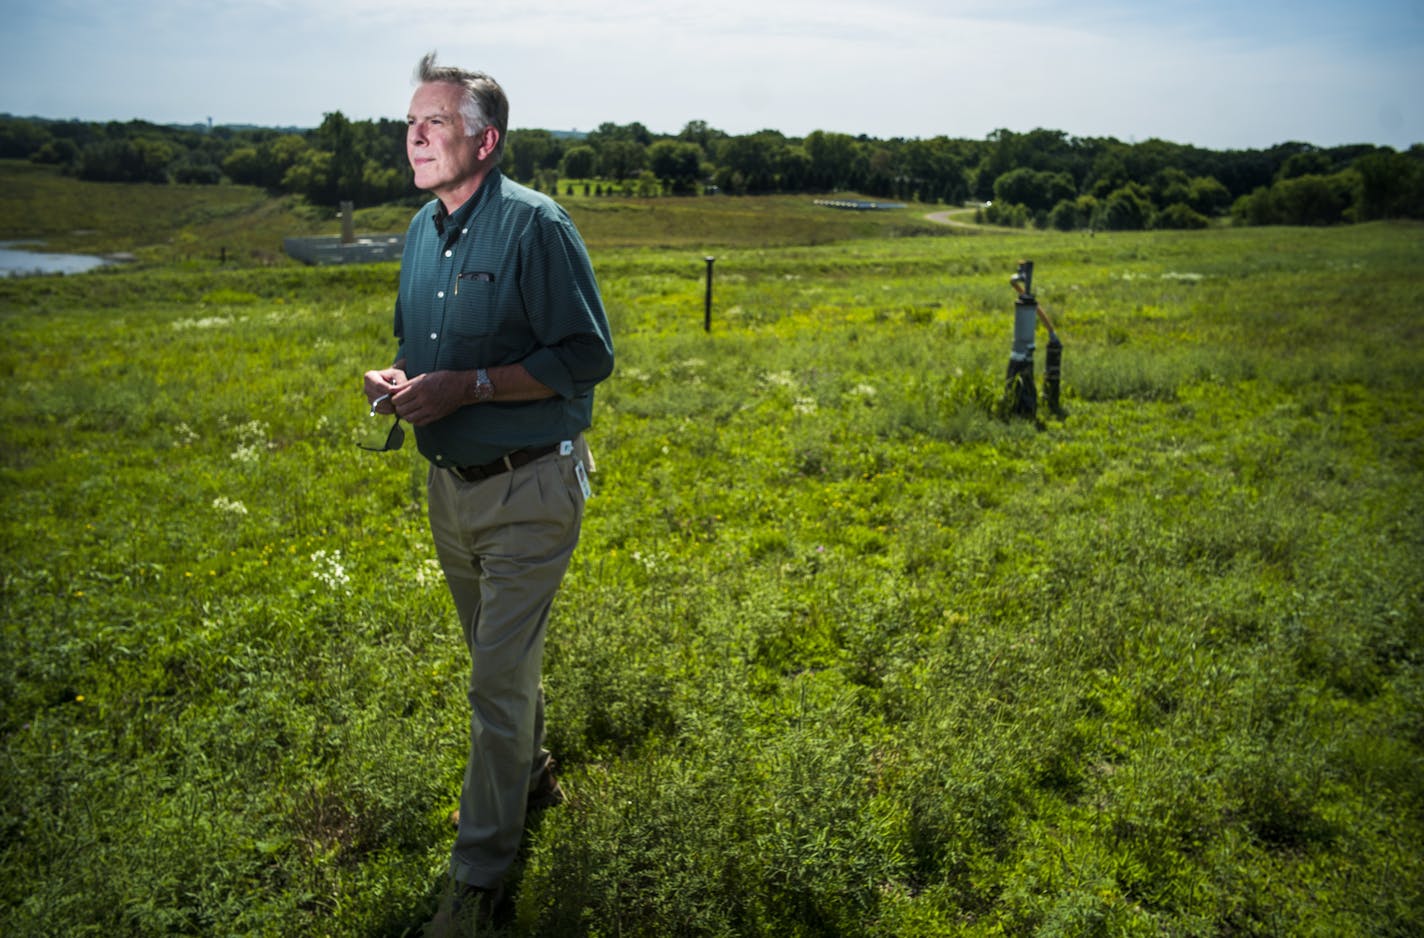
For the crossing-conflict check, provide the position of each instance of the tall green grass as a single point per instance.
(842, 652)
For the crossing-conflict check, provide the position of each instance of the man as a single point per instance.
(501, 338)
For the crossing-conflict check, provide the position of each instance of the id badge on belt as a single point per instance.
(566, 448)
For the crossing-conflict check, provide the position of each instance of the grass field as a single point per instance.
(842, 651)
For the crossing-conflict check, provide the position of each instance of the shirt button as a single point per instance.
(440, 295)
(449, 253)
(433, 337)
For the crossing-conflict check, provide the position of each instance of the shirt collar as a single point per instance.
(447, 223)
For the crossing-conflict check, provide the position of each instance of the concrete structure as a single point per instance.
(370, 249)
(347, 249)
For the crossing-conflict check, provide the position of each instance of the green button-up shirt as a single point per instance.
(505, 279)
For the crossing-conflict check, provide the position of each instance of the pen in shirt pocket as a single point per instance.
(478, 276)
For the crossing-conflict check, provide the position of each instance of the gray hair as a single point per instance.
(483, 103)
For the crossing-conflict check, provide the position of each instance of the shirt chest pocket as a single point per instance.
(474, 302)
(485, 321)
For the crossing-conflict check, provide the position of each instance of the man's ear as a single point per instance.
(489, 140)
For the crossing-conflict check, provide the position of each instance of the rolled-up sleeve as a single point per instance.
(565, 310)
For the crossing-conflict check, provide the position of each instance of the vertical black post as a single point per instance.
(1021, 393)
(707, 313)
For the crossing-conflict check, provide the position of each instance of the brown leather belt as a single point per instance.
(520, 457)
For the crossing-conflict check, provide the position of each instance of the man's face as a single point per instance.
(447, 162)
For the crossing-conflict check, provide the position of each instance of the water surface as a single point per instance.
(15, 261)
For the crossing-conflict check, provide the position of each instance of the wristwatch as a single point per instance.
(484, 388)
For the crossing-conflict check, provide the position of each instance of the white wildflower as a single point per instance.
(428, 572)
(253, 441)
(229, 506)
(329, 571)
(247, 454)
(804, 405)
(781, 379)
(254, 431)
(648, 562)
(207, 322)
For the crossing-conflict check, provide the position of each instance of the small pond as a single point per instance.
(15, 261)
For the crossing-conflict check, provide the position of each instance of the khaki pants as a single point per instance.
(504, 545)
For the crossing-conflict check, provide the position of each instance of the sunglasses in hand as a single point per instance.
(394, 439)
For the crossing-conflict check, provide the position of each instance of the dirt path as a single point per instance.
(963, 217)
(952, 216)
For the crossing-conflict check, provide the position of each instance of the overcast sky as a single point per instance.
(1220, 74)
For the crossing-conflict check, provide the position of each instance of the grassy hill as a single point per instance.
(242, 226)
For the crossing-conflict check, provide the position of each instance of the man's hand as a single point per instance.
(426, 398)
(383, 383)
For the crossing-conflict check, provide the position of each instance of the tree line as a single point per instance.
(1044, 178)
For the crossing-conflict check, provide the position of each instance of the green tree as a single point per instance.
(381, 183)
(749, 163)
(1006, 214)
(19, 139)
(579, 162)
(1036, 190)
(56, 151)
(1064, 216)
(881, 178)
(311, 177)
(1302, 200)
(139, 159)
(1207, 196)
(1391, 184)
(621, 159)
(1072, 214)
(1171, 185)
(1179, 215)
(1047, 151)
(346, 164)
(700, 133)
(1109, 171)
(1314, 199)
(836, 160)
(1310, 162)
(677, 163)
(532, 150)
(647, 185)
(195, 171)
(609, 132)
(1126, 209)
(794, 168)
(934, 169)
(244, 166)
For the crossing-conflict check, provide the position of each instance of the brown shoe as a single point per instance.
(464, 910)
(546, 793)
